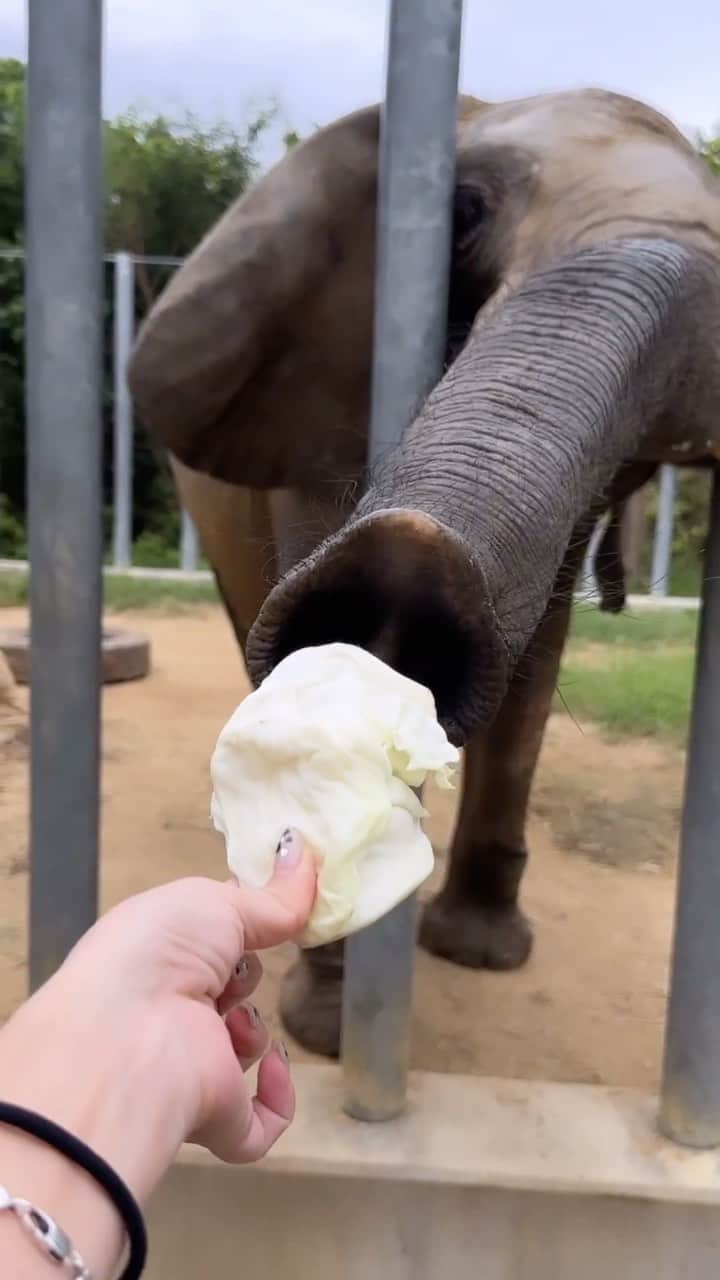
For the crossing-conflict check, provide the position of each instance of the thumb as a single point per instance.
(280, 910)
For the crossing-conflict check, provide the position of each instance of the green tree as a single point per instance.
(12, 410)
(167, 182)
(12, 449)
(12, 117)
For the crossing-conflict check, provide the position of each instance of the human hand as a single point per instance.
(148, 1030)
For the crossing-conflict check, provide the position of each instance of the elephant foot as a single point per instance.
(475, 935)
(311, 1007)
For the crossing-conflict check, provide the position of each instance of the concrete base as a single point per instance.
(479, 1180)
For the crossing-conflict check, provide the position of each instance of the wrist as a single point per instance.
(95, 1084)
(33, 1171)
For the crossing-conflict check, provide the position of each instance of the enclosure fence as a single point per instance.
(63, 374)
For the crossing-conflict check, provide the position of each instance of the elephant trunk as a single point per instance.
(448, 563)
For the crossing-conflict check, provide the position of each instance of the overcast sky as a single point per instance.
(321, 58)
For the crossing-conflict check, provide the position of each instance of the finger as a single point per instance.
(248, 1033)
(278, 912)
(248, 1130)
(273, 1106)
(246, 976)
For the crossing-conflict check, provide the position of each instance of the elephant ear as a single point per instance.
(254, 364)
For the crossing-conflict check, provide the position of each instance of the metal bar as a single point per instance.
(189, 546)
(379, 964)
(417, 170)
(588, 582)
(690, 1107)
(662, 544)
(124, 322)
(64, 349)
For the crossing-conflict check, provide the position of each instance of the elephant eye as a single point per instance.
(469, 210)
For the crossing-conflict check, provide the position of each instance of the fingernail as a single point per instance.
(253, 1016)
(280, 1049)
(242, 968)
(289, 851)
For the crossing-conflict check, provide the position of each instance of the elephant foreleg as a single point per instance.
(475, 920)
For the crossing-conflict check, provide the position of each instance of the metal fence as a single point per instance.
(64, 220)
(658, 583)
(123, 265)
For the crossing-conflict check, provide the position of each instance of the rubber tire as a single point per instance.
(125, 654)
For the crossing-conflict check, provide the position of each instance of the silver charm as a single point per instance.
(49, 1237)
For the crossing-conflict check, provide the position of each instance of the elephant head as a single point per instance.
(583, 331)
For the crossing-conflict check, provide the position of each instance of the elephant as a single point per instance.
(582, 352)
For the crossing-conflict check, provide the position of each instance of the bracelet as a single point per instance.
(78, 1153)
(46, 1233)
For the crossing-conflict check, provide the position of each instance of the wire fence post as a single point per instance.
(63, 390)
(662, 544)
(588, 580)
(189, 545)
(415, 199)
(123, 333)
(690, 1108)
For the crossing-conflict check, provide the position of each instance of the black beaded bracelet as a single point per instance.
(76, 1151)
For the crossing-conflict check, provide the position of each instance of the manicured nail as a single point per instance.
(242, 968)
(281, 1051)
(253, 1016)
(289, 851)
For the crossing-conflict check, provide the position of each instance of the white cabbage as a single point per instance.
(332, 744)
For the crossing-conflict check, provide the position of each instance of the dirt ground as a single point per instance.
(589, 1005)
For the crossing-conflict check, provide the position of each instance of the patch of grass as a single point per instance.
(13, 589)
(631, 696)
(125, 593)
(161, 596)
(634, 628)
(631, 674)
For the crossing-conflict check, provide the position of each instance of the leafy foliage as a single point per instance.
(167, 182)
(12, 533)
(12, 125)
(12, 381)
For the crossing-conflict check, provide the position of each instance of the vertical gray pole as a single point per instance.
(690, 1108)
(417, 168)
(124, 320)
(63, 379)
(662, 545)
(588, 581)
(189, 550)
